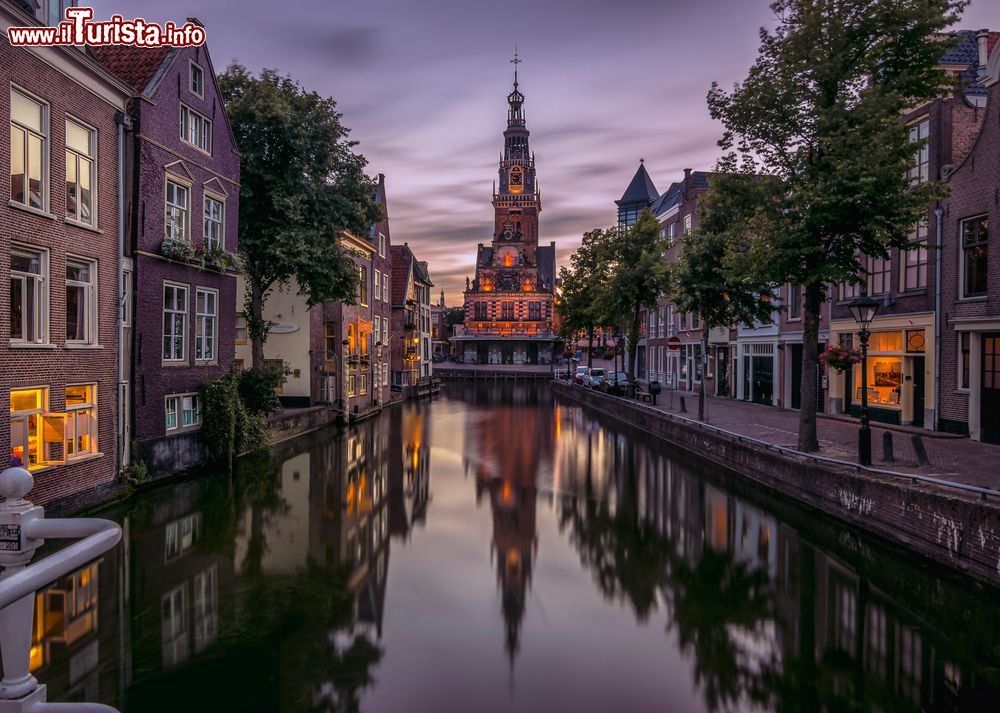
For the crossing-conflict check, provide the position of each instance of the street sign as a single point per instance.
(674, 344)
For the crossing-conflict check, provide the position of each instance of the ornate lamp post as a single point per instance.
(343, 381)
(864, 310)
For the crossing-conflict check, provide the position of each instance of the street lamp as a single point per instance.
(376, 373)
(864, 309)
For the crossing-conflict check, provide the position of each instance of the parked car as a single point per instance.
(614, 382)
(581, 372)
(593, 377)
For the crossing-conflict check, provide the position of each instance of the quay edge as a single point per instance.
(954, 529)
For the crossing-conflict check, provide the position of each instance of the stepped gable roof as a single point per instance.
(640, 189)
(135, 65)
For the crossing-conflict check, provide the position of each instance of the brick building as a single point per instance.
(970, 277)
(59, 241)
(181, 187)
(509, 305)
(410, 333)
(903, 376)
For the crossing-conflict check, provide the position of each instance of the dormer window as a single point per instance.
(197, 80)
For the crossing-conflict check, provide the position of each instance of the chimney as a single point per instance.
(982, 37)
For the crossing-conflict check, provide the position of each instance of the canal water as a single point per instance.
(498, 550)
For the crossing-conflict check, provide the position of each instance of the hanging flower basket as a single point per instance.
(839, 358)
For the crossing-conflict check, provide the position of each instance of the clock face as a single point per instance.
(516, 180)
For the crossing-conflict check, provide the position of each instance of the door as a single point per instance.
(483, 353)
(918, 391)
(533, 353)
(506, 353)
(989, 403)
(722, 371)
(796, 384)
(763, 380)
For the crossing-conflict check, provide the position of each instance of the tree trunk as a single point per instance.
(808, 441)
(257, 330)
(590, 347)
(702, 395)
(633, 338)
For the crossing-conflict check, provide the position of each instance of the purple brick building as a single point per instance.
(181, 186)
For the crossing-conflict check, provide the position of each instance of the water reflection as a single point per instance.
(271, 590)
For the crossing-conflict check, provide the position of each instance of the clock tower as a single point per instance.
(509, 305)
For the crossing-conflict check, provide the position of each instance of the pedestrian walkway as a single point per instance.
(950, 457)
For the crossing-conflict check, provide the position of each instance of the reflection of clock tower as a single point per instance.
(509, 306)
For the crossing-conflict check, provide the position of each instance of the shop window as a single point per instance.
(81, 420)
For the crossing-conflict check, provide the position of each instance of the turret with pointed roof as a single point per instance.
(639, 195)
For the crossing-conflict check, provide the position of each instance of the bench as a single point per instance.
(642, 393)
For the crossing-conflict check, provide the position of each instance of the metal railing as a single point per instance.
(23, 529)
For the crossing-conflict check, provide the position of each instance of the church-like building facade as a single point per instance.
(509, 305)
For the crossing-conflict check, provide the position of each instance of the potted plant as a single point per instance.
(839, 358)
(177, 249)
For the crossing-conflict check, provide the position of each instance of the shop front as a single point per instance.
(899, 377)
(757, 371)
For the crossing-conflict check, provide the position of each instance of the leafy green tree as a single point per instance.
(700, 279)
(820, 110)
(582, 284)
(301, 185)
(636, 279)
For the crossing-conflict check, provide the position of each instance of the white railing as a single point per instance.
(23, 529)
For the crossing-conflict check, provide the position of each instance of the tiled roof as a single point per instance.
(967, 52)
(401, 261)
(134, 65)
(641, 189)
(675, 194)
(423, 273)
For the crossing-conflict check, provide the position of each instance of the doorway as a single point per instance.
(918, 391)
(796, 385)
(989, 401)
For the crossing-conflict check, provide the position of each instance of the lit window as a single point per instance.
(175, 316)
(197, 80)
(206, 313)
(27, 408)
(195, 129)
(213, 223)
(81, 301)
(29, 314)
(975, 251)
(81, 420)
(27, 151)
(80, 151)
(178, 211)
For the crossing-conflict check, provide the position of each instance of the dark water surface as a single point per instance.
(496, 550)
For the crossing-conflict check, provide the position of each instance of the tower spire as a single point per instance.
(516, 61)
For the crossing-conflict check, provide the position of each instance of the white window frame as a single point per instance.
(90, 306)
(385, 287)
(915, 258)
(80, 159)
(43, 137)
(687, 224)
(919, 172)
(189, 123)
(171, 407)
(209, 220)
(377, 291)
(206, 326)
(797, 315)
(192, 67)
(40, 290)
(18, 419)
(174, 310)
(170, 208)
(89, 422)
(381, 245)
(176, 404)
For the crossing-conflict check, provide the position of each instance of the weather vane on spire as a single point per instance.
(516, 61)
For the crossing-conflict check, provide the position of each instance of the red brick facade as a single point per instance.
(69, 85)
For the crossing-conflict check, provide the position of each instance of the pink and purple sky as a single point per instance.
(423, 84)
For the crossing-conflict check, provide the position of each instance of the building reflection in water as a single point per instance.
(267, 591)
(219, 583)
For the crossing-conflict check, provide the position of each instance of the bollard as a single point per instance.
(683, 406)
(23, 529)
(918, 448)
(887, 454)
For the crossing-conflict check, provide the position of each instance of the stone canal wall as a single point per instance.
(951, 527)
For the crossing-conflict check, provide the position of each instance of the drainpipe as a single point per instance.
(122, 120)
(937, 317)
